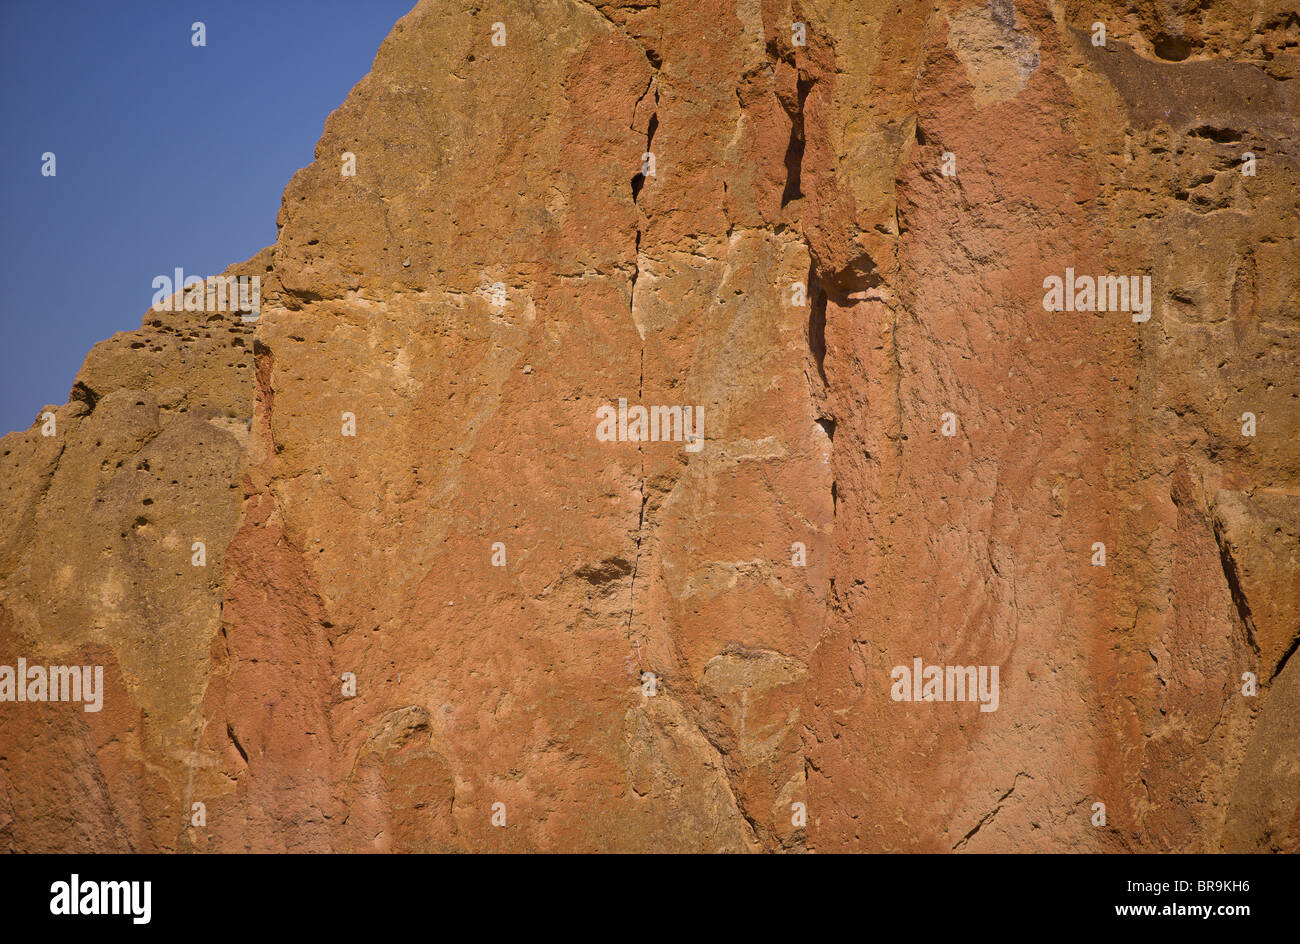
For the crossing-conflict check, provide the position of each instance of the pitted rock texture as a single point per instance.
(844, 238)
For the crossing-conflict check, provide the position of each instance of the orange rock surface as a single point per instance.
(477, 625)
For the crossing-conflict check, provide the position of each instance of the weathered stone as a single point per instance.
(805, 271)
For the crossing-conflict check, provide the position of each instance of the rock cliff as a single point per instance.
(457, 592)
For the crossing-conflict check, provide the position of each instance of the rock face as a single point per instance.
(494, 619)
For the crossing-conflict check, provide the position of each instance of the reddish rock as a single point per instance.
(442, 633)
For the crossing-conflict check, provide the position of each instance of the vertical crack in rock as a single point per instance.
(817, 348)
(794, 150)
(1239, 600)
(638, 182)
(637, 105)
(640, 521)
(638, 179)
(817, 323)
(817, 299)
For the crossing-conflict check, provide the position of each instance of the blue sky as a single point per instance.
(167, 155)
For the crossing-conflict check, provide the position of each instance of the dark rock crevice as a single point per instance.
(1232, 574)
(795, 149)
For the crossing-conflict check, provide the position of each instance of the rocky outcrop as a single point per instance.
(440, 609)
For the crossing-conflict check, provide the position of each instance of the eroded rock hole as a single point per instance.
(1171, 48)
